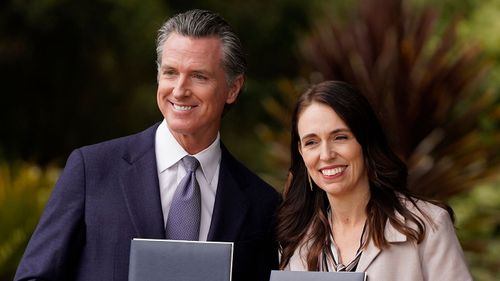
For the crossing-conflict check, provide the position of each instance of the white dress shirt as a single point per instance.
(168, 155)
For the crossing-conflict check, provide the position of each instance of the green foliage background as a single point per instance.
(78, 72)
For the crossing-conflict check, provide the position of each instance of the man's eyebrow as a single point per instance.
(201, 71)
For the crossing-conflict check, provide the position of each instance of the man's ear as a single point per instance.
(234, 89)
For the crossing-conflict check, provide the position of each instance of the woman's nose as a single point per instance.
(327, 152)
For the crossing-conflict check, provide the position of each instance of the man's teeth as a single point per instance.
(332, 172)
(182, 107)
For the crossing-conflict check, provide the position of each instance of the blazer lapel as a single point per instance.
(140, 186)
(230, 205)
(369, 254)
(371, 251)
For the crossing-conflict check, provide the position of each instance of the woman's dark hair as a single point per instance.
(304, 212)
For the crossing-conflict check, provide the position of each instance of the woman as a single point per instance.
(346, 205)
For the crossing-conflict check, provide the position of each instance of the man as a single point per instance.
(121, 189)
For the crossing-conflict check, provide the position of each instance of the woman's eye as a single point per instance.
(341, 137)
(308, 143)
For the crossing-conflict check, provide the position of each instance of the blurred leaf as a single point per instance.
(478, 227)
(24, 190)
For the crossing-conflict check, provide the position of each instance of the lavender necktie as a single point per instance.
(183, 222)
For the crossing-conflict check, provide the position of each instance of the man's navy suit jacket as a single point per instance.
(108, 194)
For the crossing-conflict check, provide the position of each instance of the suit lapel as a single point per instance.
(230, 205)
(140, 186)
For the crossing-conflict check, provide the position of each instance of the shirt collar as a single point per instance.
(169, 152)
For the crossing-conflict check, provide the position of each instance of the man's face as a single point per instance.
(192, 88)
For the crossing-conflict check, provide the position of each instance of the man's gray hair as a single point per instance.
(201, 23)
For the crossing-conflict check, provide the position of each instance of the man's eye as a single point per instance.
(169, 73)
(199, 77)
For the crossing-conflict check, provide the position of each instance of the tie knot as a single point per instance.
(190, 163)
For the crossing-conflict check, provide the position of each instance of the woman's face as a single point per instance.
(331, 153)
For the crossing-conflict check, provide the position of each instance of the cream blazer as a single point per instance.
(439, 257)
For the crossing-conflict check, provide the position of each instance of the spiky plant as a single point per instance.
(425, 84)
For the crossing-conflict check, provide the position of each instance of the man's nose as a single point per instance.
(181, 88)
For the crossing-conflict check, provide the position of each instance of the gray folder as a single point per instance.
(316, 276)
(164, 260)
